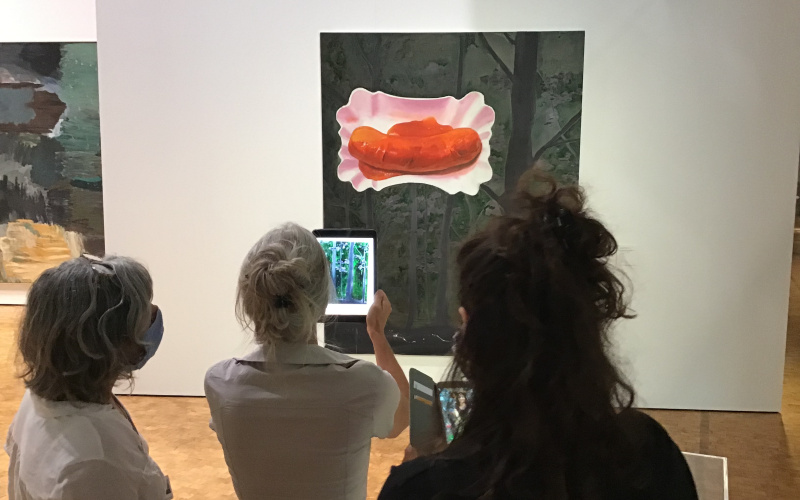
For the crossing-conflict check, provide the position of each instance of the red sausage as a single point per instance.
(415, 154)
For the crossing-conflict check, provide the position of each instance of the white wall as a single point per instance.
(43, 21)
(47, 21)
(211, 135)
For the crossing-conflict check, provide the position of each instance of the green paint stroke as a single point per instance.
(80, 131)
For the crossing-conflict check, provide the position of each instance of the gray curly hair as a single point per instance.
(83, 328)
(284, 286)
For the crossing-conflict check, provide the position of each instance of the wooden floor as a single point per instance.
(763, 449)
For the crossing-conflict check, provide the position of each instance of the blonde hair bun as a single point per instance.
(284, 285)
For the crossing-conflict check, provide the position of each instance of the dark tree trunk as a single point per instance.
(523, 104)
(347, 197)
(372, 57)
(412, 258)
(444, 265)
(462, 52)
(369, 208)
(334, 265)
(365, 277)
(444, 241)
(350, 273)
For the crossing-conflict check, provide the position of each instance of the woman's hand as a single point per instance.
(378, 314)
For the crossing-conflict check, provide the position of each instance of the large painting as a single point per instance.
(51, 200)
(424, 137)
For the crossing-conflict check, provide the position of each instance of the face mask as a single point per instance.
(152, 339)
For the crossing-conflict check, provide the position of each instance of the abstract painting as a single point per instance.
(51, 200)
(425, 135)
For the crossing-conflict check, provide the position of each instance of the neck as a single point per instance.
(108, 393)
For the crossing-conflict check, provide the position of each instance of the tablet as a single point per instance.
(351, 255)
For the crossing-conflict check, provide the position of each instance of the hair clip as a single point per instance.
(98, 265)
(561, 217)
(561, 224)
(283, 301)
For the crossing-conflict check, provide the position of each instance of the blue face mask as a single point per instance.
(152, 339)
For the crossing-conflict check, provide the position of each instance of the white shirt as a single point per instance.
(300, 426)
(65, 451)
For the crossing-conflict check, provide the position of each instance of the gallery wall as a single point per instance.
(43, 21)
(48, 21)
(210, 118)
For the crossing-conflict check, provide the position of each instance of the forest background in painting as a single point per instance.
(51, 200)
(533, 81)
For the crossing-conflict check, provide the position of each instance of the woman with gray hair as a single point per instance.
(295, 420)
(88, 324)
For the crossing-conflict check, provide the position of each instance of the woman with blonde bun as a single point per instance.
(295, 420)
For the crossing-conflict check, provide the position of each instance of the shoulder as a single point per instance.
(374, 380)
(659, 456)
(369, 372)
(102, 434)
(426, 477)
(79, 440)
(409, 480)
(644, 429)
(218, 370)
(221, 381)
(223, 372)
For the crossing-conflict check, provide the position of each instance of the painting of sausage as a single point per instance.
(424, 137)
(389, 140)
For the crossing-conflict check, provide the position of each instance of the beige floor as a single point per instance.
(763, 449)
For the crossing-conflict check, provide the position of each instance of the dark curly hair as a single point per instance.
(540, 297)
(83, 328)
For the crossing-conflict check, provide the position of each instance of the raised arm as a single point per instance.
(384, 357)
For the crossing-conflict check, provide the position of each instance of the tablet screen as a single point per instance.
(352, 261)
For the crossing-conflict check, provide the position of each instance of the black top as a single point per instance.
(661, 471)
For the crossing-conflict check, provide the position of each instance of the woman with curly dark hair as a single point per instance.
(551, 415)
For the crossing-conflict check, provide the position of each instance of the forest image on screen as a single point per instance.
(349, 262)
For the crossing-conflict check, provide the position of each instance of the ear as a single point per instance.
(464, 316)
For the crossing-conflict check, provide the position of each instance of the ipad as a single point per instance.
(351, 256)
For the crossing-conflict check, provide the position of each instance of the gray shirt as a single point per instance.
(300, 425)
(79, 451)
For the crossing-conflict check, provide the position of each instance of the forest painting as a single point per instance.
(51, 200)
(425, 135)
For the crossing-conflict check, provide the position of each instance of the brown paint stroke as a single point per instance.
(47, 106)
